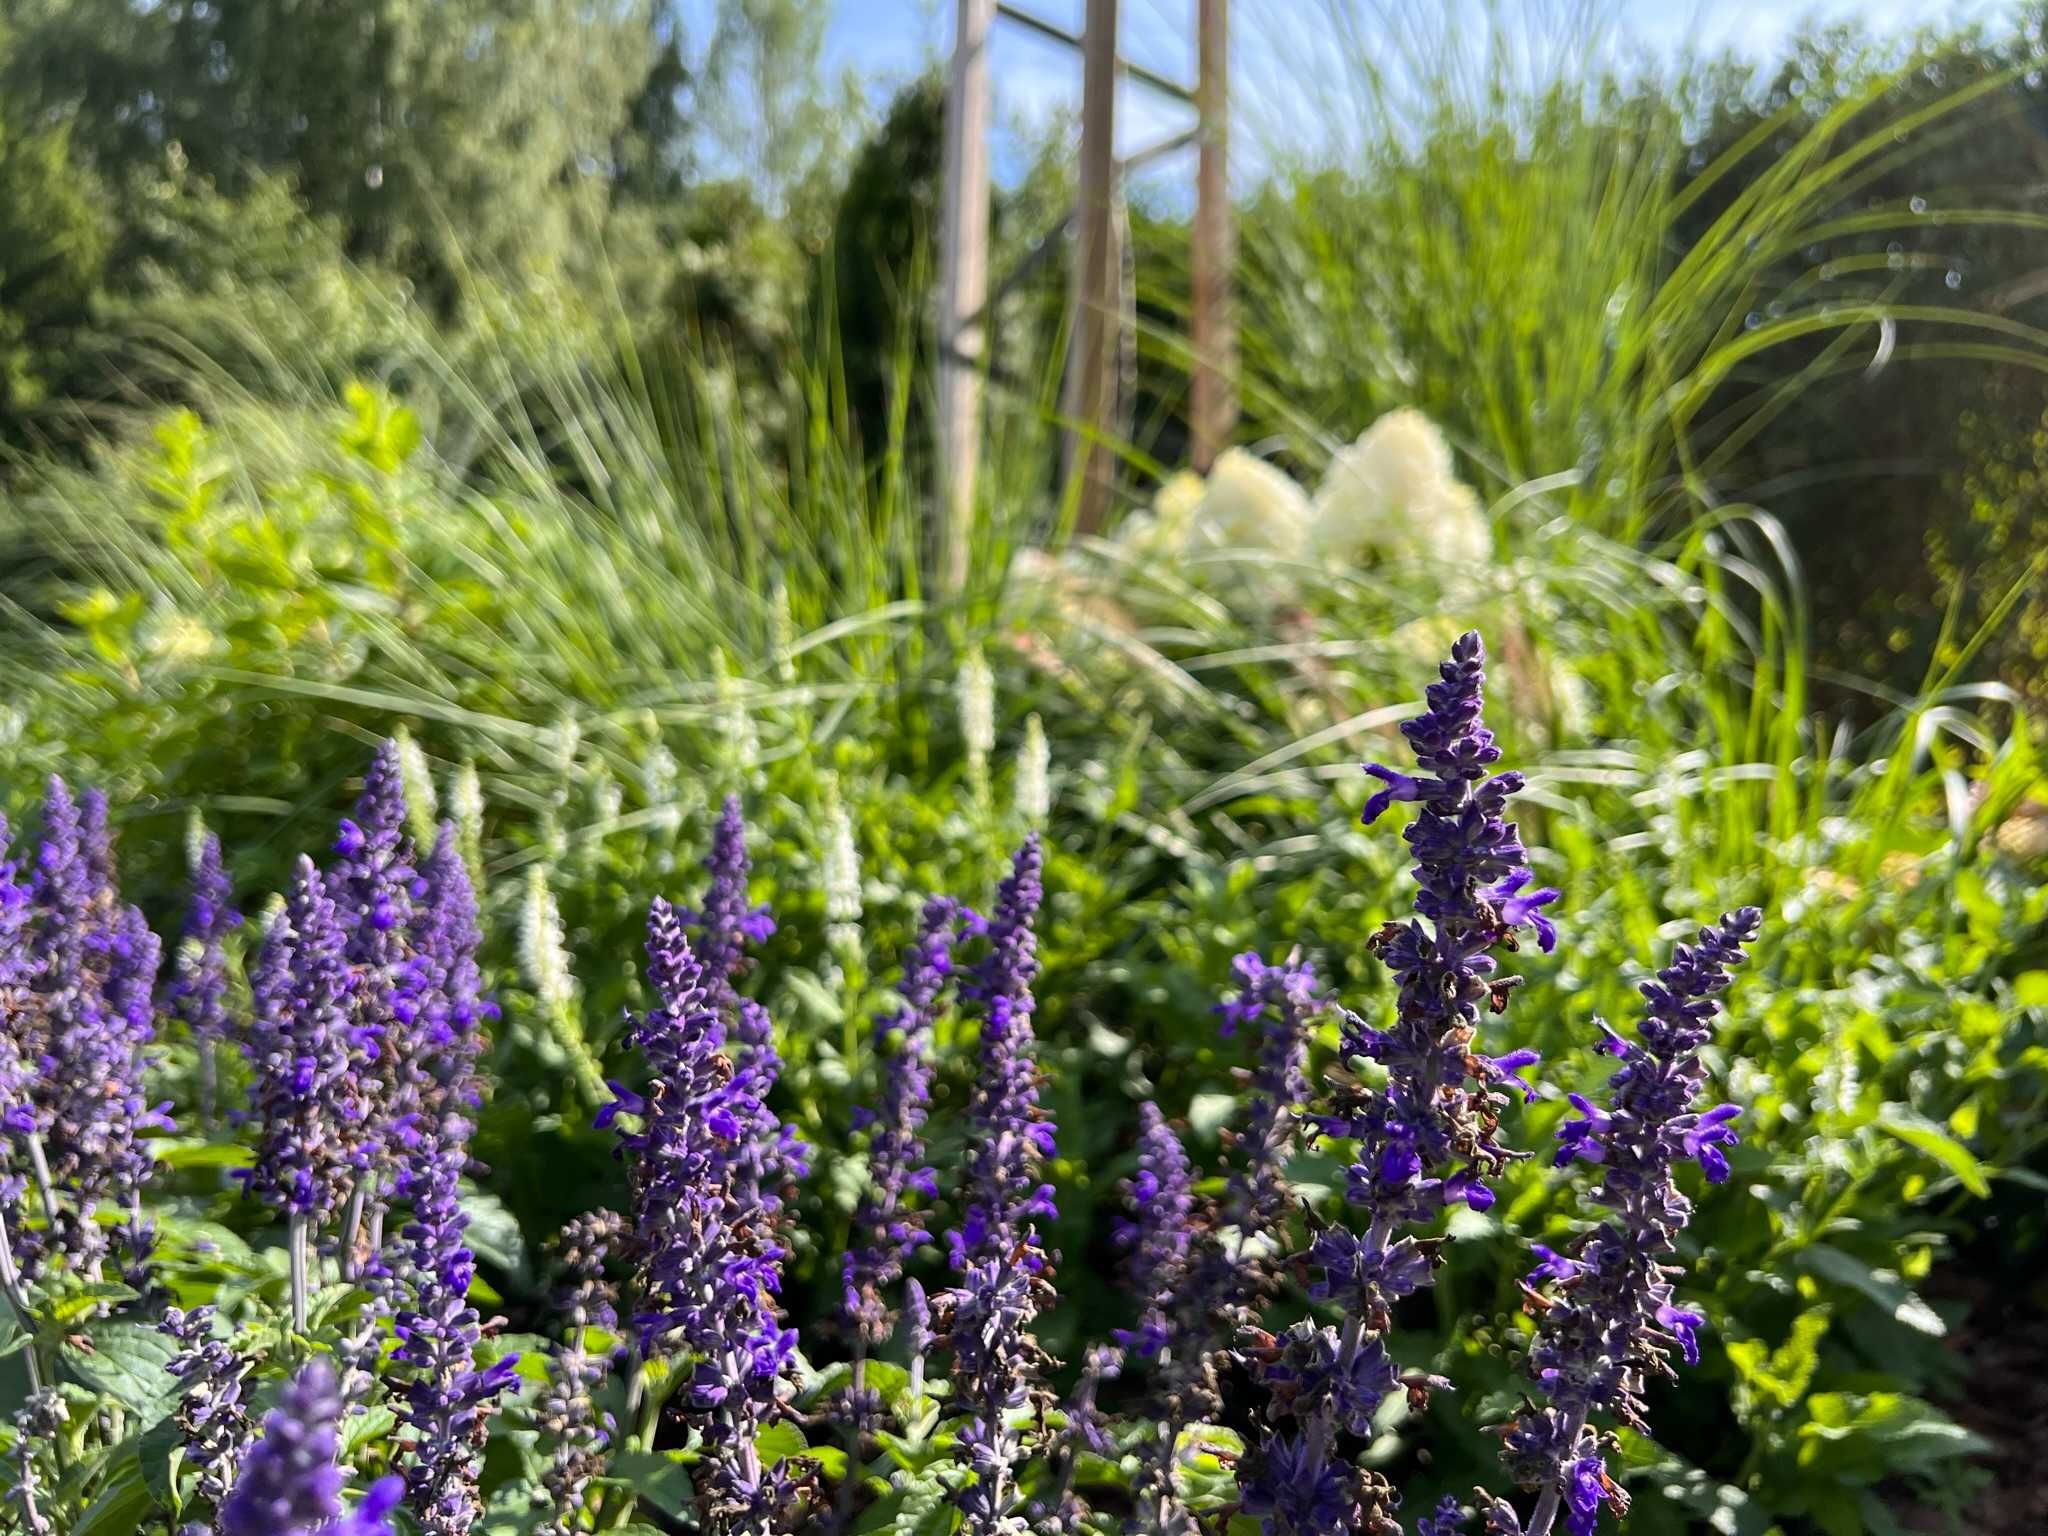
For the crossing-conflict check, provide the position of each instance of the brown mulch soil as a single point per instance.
(2003, 1347)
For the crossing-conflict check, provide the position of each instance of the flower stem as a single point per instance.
(296, 1249)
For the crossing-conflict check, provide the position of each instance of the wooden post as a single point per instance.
(963, 285)
(1096, 271)
(1214, 407)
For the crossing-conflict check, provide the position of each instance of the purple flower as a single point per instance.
(198, 991)
(726, 924)
(1446, 1520)
(771, 1155)
(1609, 1318)
(1160, 1231)
(307, 1101)
(445, 1398)
(212, 1417)
(291, 1484)
(373, 889)
(1009, 1135)
(708, 1259)
(1293, 1486)
(1585, 1481)
(996, 1251)
(17, 977)
(887, 1230)
(1424, 1139)
(566, 1414)
(86, 1040)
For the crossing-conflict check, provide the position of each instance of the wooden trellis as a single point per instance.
(1101, 297)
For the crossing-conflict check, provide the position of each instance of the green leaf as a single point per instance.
(1883, 1286)
(657, 1477)
(129, 1362)
(366, 1428)
(74, 1306)
(493, 1232)
(123, 1500)
(1917, 1131)
(1780, 1376)
(162, 1455)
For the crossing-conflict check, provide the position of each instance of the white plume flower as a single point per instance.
(975, 691)
(466, 809)
(735, 719)
(840, 869)
(1033, 789)
(422, 805)
(543, 951)
(660, 778)
(1395, 493)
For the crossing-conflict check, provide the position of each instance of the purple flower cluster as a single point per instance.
(567, 1413)
(373, 888)
(1608, 1314)
(83, 1037)
(708, 1258)
(887, 1232)
(307, 1101)
(198, 991)
(1009, 1135)
(987, 1317)
(1423, 1139)
(445, 1398)
(771, 1156)
(1160, 1233)
(291, 1482)
(212, 1416)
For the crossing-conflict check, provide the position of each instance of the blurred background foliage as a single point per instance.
(554, 381)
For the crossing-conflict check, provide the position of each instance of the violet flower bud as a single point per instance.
(291, 1484)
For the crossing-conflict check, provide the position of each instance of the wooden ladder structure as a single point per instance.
(1097, 304)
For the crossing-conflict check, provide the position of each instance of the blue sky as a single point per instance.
(1280, 45)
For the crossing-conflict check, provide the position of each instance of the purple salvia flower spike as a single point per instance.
(567, 1415)
(728, 924)
(198, 991)
(373, 888)
(445, 1398)
(888, 1231)
(1159, 1233)
(212, 1416)
(1009, 1134)
(1424, 1139)
(709, 1262)
(1608, 1314)
(986, 1319)
(307, 1100)
(291, 1483)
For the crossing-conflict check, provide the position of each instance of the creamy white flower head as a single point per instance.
(543, 952)
(782, 633)
(1033, 790)
(1395, 493)
(1164, 530)
(422, 805)
(195, 839)
(735, 718)
(1250, 504)
(839, 860)
(660, 780)
(466, 809)
(974, 691)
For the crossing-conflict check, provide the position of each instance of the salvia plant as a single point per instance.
(361, 1387)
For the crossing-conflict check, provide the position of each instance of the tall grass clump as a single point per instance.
(1515, 220)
